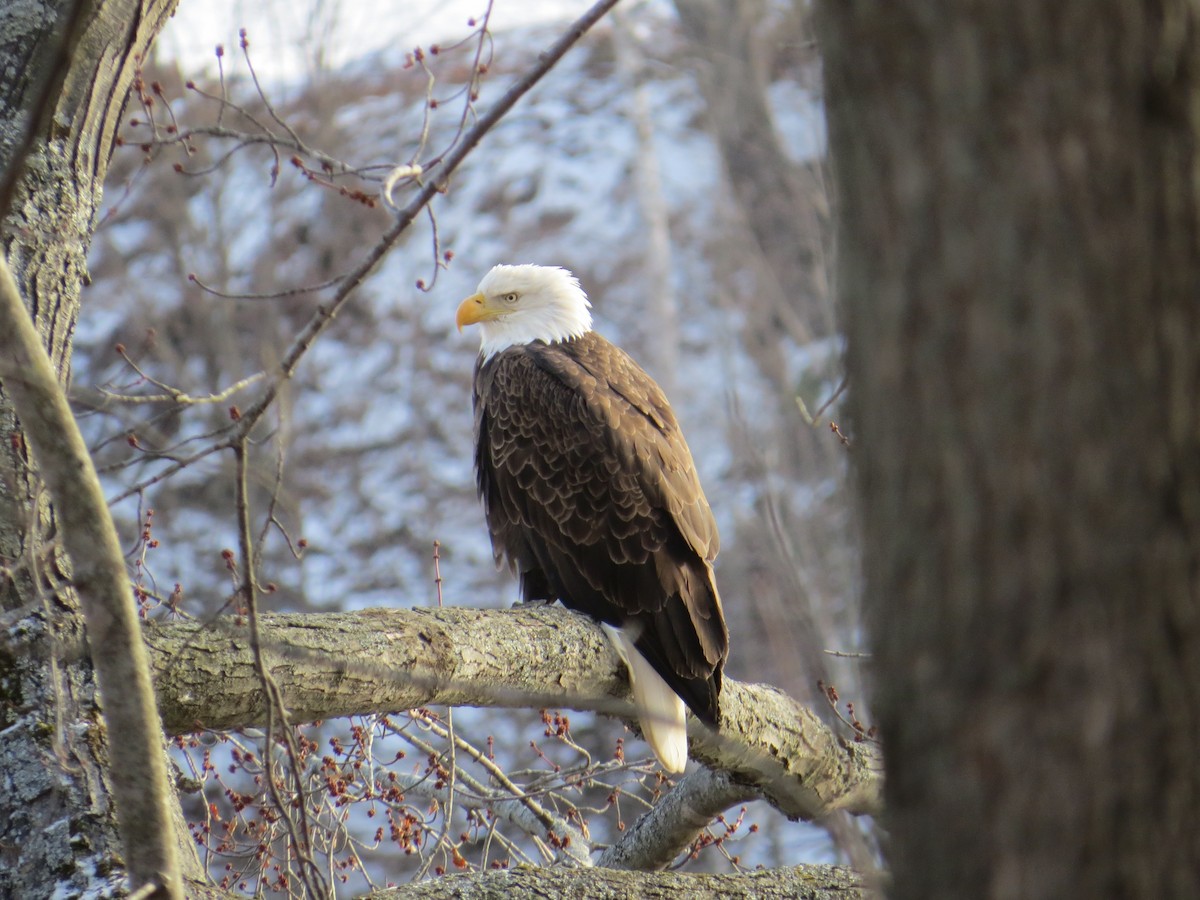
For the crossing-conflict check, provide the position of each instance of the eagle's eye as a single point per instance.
(510, 298)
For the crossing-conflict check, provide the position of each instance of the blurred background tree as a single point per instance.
(1019, 227)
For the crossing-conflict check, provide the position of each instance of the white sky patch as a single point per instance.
(289, 39)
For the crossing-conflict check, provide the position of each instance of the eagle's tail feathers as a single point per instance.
(662, 715)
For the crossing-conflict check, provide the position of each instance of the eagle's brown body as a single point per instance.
(592, 496)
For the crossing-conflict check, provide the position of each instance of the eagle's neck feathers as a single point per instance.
(531, 325)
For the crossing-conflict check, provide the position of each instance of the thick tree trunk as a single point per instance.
(1021, 284)
(57, 829)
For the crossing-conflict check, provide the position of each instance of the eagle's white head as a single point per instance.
(519, 304)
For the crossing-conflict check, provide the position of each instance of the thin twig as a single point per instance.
(313, 878)
(847, 654)
(548, 819)
(181, 398)
(270, 295)
(833, 397)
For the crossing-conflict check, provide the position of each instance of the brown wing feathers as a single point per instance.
(591, 494)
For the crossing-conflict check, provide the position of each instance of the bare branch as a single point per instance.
(182, 398)
(666, 830)
(804, 882)
(299, 829)
(798, 883)
(513, 796)
(508, 801)
(395, 659)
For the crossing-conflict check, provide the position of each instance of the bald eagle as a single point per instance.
(591, 495)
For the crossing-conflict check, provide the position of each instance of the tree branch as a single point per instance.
(794, 883)
(658, 837)
(141, 792)
(381, 660)
(805, 882)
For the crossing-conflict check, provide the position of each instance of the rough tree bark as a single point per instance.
(800, 883)
(1020, 276)
(141, 793)
(57, 830)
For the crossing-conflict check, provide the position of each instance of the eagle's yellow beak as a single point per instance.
(473, 309)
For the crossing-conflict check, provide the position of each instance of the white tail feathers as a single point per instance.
(661, 713)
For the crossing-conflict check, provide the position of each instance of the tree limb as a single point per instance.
(381, 660)
(141, 792)
(664, 832)
(793, 883)
(805, 882)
